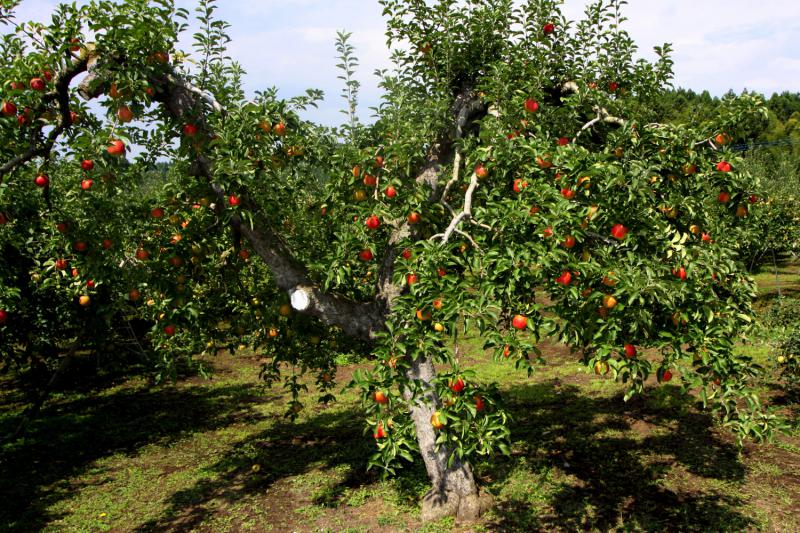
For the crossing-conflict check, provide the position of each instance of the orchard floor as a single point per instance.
(219, 456)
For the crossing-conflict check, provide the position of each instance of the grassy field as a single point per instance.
(123, 455)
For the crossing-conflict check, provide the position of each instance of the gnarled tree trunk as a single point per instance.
(454, 491)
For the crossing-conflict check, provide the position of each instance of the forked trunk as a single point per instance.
(454, 491)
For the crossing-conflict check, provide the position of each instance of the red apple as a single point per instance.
(80, 246)
(379, 161)
(73, 117)
(372, 222)
(279, 129)
(370, 180)
(666, 376)
(90, 284)
(531, 105)
(562, 141)
(234, 200)
(457, 386)
(8, 109)
(157, 212)
(42, 180)
(613, 86)
(365, 255)
(565, 278)
(548, 28)
(413, 218)
(108, 244)
(169, 331)
(412, 278)
(390, 192)
(116, 148)
(519, 322)
(3, 219)
(406, 254)
(679, 273)
(724, 166)
(705, 237)
(87, 165)
(724, 197)
(379, 432)
(37, 84)
(480, 405)
(124, 114)
(47, 75)
(3, 316)
(619, 232)
(570, 241)
(753, 199)
(481, 171)
(569, 194)
(548, 232)
(190, 130)
(61, 264)
(519, 185)
(441, 272)
(86, 184)
(630, 351)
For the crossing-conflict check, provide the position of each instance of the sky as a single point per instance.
(718, 44)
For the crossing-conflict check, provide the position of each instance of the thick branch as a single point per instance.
(602, 116)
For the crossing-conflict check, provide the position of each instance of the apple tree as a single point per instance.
(513, 185)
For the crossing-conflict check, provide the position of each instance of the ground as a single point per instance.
(120, 454)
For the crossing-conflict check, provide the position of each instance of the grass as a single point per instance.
(219, 456)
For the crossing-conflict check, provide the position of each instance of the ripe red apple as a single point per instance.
(134, 295)
(457, 386)
(234, 200)
(3, 219)
(519, 321)
(190, 130)
(569, 194)
(531, 105)
(116, 148)
(406, 254)
(570, 241)
(724, 166)
(412, 278)
(724, 197)
(80, 246)
(73, 117)
(741, 211)
(279, 129)
(548, 28)
(370, 180)
(630, 351)
(42, 180)
(562, 141)
(17, 86)
(619, 232)
(390, 192)
(61, 264)
(365, 255)
(565, 278)
(480, 405)
(90, 284)
(37, 84)
(3, 316)
(519, 185)
(548, 232)
(157, 212)
(679, 273)
(705, 237)
(244, 254)
(108, 244)
(613, 86)
(413, 218)
(534, 209)
(142, 255)
(87, 165)
(379, 432)
(441, 272)
(8, 109)
(481, 171)
(665, 376)
(169, 331)
(753, 199)
(124, 114)
(372, 222)
(86, 184)
(379, 161)
(47, 75)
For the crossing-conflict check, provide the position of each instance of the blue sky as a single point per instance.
(719, 44)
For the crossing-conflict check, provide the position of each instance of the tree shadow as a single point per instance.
(610, 462)
(38, 470)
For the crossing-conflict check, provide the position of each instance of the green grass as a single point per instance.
(219, 456)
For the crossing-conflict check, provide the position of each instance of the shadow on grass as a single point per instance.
(605, 463)
(38, 470)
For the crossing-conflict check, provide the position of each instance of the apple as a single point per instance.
(705, 237)
(356, 171)
(370, 180)
(694, 229)
(379, 432)
(724, 197)
(666, 375)
(157, 212)
(84, 300)
(436, 420)
(679, 273)
(379, 161)
(569, 194)
(457, 386)
(544, 162)
(562, 141)
(630, 351)
(722, 139)
(753, 199)
(548, 28)
(87, 165)
(390, 192)
(481, 171)
(244, 254)
(724, 166)
(569, 241)
(160, 57)
(609, 302)
(372, 222)
(406, 254)
(17, 86)
(169, 331)
(601, 368)
(548, 232)
(3, 316)
(134, 295)
(142, 254)
(80, 246)
(175, 261)
(234, 200)
(741, 211)
(108, 244)
(507, 351)
(3, 219)
(190, 130)
(619, 232)
(37, 84)
(423, 314)
(413, 218)
(116, 148)
(689, 169)
(42, 180)
(8, 109)
(279, 129)
(519, 185)
(531, 105)
(124, 114)
(519, 321)
(613, 86)
(47, 75)
(90, 284)
(62, 227)
(441, 272)
(360, 195)
(86, 184)
(380, 397)
(438, 327)
(73, 117)
(365, 255)
(411, 278)
(565, 278)
(534, 209)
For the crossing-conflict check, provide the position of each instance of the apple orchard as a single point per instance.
(514, 185)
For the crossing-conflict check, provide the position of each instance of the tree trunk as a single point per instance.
(454, 491)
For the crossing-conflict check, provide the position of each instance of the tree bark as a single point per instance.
(454, 491)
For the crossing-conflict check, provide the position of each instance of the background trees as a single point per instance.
(518, 182)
